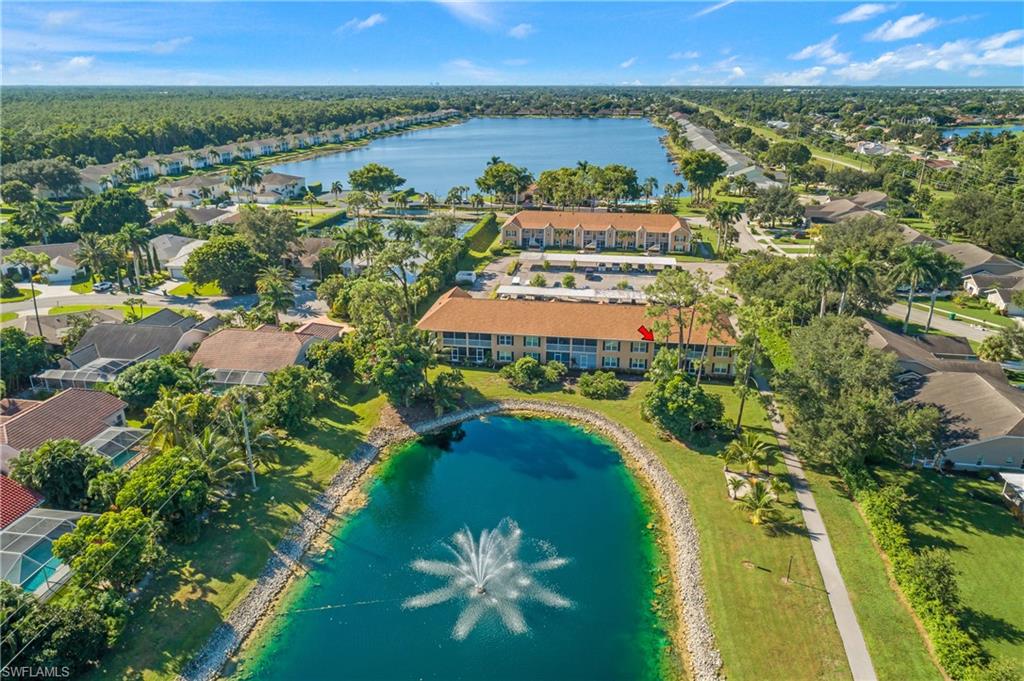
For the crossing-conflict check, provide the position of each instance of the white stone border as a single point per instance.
(704, 657)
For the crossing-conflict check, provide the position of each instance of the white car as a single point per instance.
(102, 286)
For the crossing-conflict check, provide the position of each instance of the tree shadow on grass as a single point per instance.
(988, 627)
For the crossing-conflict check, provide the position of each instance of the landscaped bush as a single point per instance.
(62, 471)
(680, 407)
(927, 581)
(481, 235)
(528, 375)
(602, 385)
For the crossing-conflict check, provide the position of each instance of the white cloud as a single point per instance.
(520, 31)
(59, 18)
(811, 76)
(962, 55)
(825, 51)
(355, 24)
(629, 62)
(690, 54)
(471, 12)
(79, 63)
(714, 8)
(736, 72)
(168, 46)
(467, 69)
(863, 12)
(909, 26)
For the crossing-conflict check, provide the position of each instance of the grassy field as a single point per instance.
(203, 581)
(966, 516)
(23, 294)
(7, 316)
(188, 290)
(68, 309)
(978, 310)
(765, 629)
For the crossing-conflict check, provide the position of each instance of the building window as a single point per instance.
(534, 355)
(611, 346)
(610, 362)
(455, 355)
(504, 340)
(722, 351)
(721, 368)
(637, 363)
(531, 341)
(562, 357)
(638, 347)
(504, 356)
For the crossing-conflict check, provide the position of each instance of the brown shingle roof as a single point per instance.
(249, 350)
(320, 330)
(76, 414)
(458, 312)
(537, 219)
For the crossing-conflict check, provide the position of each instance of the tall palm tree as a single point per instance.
(92, 250)
(275, 290)
(945, 274)
(713, 313)
(194, 380)
(823, 277)
(169, 420)
(404, 230)
(454, 198)
(371, 239)
(914, 264)
(476, 200)
(135, 237)
(219, 454)
(401, 200)
(245, 176)
(39, 217)
(723, 215)
(35, 263)
(337, 188)
(349, 246)
(650, 185)
(310, 198)
(854, 269)
(428, 200)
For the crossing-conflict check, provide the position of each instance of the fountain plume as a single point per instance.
(488, 575)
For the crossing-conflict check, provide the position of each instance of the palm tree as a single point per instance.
(736, 486)
(131, 303)
(349, 246)
(337, 188)
(946, 273)
(476, 200)
(371, 239)
(310, 198)
(169, 420)
(220, 456)
(854, 269)
(92, 251)
(823, 276)
(428, 200)
(35, 263)
(245, 175)
(454, 198)
(356, 201)
(914, 264)
(713, 313)
(194, 380)
(650, 185)
(193, 157)
(401, 200)
(135, 237)
(758, 502)
(729, 455)
(212, 157)
(40, 217)
(495, 160)
(723, 215)
(275, 289)
(751, 451)
(404, 230)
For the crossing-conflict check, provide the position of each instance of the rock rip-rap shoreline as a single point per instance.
(705, 661)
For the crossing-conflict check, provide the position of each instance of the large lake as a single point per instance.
(968, 129)
(570, 494)
(436, 159)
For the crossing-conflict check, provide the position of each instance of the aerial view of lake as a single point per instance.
(506, 549)
(968, 129)
(436, 159)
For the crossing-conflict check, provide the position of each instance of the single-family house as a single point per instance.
(176, 265)
(56, 326)
(202, 215)
(173, 251)
(582, 336)
(63, 263)
(245, 356)
(597, 231)
(108, 349)
(277, 187)
(189, 191)
(306, 257)
(977, 260)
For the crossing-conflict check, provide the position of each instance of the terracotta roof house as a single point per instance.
(55, 326)
(597, 231)
(246, 356)
(17, 501)
(62, 260)
(108, 349)
(11, 407)
(977, 260)
(321, 328)
(581, 335)
(74, 414)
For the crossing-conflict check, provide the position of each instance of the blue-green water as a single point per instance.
(968, 129)
(436, 159)
(561, 485)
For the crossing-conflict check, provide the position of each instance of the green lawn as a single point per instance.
(82, 285)
(797, 249)
(188, 289)
(203, 581)
(765, 629)
(23, 294)
(978, 310)
(966, 516)
(7, 316)
(69, 309)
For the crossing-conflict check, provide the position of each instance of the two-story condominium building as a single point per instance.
(582, 336)
(597, 231)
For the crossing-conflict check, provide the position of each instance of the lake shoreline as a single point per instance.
(693, 631)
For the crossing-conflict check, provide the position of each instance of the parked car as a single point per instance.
(102, 286)
(590, 275)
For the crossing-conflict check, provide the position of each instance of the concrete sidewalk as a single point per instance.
(838, 598)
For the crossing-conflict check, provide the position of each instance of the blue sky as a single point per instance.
(527, 43)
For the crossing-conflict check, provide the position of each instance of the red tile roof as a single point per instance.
(15, 501)
(75, 414)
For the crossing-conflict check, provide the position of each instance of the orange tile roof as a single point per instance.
(76, 413)
(15, 501)
(458, 312)
(594, 220)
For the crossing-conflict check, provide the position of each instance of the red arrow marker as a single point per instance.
(646, 333)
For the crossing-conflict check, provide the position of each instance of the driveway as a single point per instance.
(941, 322)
